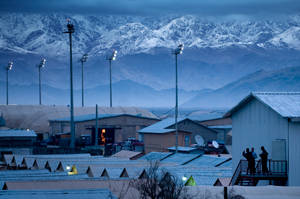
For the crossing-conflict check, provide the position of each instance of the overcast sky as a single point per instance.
(156, 7)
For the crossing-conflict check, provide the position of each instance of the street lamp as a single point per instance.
(8, 68)
(176, 52)
(41, 65)
(111, 58)
(70, 31)
(83, 59)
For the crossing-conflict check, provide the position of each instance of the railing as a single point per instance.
(236, 173)
(275, 167)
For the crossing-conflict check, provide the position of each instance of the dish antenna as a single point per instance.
(215, 144)
(199, 140)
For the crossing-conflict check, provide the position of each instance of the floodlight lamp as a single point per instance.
(114, 55)
(9, 66)
(179, 49)
(70, 26)
(184, 178)
(43, 62)
(68, 167)
(181, 46)
(84, 58)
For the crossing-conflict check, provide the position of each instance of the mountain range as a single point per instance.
(129, 93)
(282, 80)
(217, 52)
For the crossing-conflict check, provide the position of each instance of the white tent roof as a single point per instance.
(36, 117)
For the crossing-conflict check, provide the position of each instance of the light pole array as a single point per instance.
(70, 31)
(111, 58)
(176, 52)
(41, 65)
(8, 68)
(82, 60)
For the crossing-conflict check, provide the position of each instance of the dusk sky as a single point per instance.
(154, 7)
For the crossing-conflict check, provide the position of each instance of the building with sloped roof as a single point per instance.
(161, 135)
(36, 117)
(17, 138)
(271, 120)
(112, 128)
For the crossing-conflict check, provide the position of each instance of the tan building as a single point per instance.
(112, 128)
(162, 141)
(161, 135)
(36, 117)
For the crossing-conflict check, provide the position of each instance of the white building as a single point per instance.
(271, 120)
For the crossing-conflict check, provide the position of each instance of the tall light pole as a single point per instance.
(111, 58)
(70, 31)
(41, 65)
(83, 59)
(177, 52)
(96, 127)
(8, 68)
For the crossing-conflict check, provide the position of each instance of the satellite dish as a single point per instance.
(199, 140)
(215, 144)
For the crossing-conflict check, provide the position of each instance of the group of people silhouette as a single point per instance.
(251, 156)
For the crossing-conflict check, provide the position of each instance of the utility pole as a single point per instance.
(176, 103)
(70, 31)
(111, 58)
(110, 86)
(83, 59)
(41, 65)
(96, 127)
(8, 68)
(176, 52)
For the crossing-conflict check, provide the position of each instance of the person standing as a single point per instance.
(254, 156)
(264, 160)
(249, 158)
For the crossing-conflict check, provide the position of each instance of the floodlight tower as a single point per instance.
(177, 52)
(41, 65)
(8, 68)
(70, 31)
(111, 58)
(82, 60)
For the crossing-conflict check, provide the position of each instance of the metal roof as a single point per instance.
(89, 117)
(286, 104)
(182, 148)
(207, 116)
(180, 158)
(116, 186)
(155, 156)
(126, 154)
(220, 127)
(57, 194)
(202, 175)
(208, 161)
(17, 133)
(162, 126)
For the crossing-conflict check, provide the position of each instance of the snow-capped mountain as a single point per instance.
(217, 51)
(41, 34)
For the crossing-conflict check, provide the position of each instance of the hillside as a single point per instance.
(283, 80)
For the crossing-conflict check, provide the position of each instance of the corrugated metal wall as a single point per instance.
(256, 125)
(294, 154)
